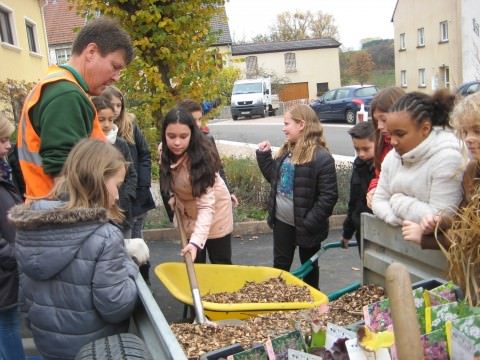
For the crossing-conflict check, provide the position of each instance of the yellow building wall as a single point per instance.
(411, 15)
(16, 61)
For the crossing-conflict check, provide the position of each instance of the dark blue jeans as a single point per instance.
(11, 347)
(137, 227)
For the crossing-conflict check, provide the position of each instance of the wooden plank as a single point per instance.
(383, 244)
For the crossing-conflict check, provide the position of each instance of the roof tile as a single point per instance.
(61, 19)
(280, 46)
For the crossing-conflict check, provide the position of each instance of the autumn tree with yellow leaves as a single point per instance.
(172, 42)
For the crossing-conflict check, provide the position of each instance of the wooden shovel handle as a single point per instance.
(404, 315)
(188, 257)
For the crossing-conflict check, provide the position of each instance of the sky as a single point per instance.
(355, 19)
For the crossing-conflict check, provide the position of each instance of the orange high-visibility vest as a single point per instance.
(38, 184)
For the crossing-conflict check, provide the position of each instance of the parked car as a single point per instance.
(469, 88)
(343, 103)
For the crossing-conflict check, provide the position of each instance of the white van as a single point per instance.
(252, 97)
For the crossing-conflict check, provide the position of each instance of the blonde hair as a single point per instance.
(466, 111)
(303, 150)
(89, 164)
(6, 127)
(125, 121)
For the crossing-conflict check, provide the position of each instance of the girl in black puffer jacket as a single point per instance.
(304, 189)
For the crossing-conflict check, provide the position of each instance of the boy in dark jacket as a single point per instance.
(363, 138)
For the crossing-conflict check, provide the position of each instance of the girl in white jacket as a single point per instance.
(422, 174)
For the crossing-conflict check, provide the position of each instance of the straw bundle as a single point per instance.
(464, 253)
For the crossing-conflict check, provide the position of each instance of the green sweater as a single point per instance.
(62, 117)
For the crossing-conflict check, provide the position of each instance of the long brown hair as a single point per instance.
(125, 120)
(382, 102)
(89, 164)
(303, 151)
(201, 152)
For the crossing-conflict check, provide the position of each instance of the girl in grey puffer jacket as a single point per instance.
(77, 281)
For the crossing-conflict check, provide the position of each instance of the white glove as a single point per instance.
(138, 250)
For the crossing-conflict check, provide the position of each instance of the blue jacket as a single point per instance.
(77, 281)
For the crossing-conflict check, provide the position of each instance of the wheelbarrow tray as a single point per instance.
(214, 278)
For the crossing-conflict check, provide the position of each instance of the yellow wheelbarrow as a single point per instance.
(213, 278)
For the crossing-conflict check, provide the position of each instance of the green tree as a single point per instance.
(173, 59)
(300, 25)
(344, 58)
(360, 66)
(12, 95)
(382, 53)
(226, 78)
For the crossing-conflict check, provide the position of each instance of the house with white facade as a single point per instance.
(437, 43)
(306, 67)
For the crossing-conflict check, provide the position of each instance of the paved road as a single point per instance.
(335, 266)
(255, 130)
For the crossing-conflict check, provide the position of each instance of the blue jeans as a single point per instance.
(11, 347)
(137, 227)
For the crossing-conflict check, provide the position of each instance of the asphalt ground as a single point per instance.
(338, 267)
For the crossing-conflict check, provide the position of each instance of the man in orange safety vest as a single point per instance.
(58, 111)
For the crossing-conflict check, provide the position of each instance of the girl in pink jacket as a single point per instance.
(189, 168)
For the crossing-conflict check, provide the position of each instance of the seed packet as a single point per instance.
(420, 307)
(256, 353)
(435, 345)
(436, 316)
(418, 298)
(377, 315)
(465, 337)
(335, 332)
(446, 291)
(300, 355)
(277, 348)
(432, 299)
(356, 352)
(442, 294)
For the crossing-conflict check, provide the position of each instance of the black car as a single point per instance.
(343, 103)
(469, 88)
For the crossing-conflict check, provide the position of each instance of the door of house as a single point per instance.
(293, 91)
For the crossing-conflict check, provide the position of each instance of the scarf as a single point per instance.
(5, 171)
